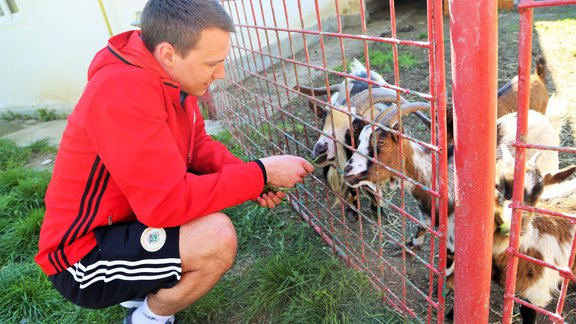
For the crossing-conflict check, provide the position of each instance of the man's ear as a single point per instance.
(165, 53)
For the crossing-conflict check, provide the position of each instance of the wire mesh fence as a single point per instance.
(334, 81)
(283, 54)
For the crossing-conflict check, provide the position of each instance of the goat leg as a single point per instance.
(351, 213)
(528, 315)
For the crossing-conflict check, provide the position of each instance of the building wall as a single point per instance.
(47, 50)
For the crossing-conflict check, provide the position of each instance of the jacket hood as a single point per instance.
(127, 48)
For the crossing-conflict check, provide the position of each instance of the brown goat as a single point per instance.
(508, 93)
(508, 97)
(332, 149)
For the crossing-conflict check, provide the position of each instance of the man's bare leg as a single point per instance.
(207, 249)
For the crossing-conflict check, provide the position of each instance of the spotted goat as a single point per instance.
(542, 237)
(382, 144)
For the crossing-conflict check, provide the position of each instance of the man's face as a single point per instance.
(203, 64)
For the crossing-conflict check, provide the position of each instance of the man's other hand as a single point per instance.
(271, 199)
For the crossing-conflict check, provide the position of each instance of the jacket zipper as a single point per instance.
(189, 137)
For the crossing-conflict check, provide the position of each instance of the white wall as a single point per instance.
(46, 52)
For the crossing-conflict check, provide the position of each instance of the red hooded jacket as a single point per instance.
(131, 150)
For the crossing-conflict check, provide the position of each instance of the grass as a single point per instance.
(382, 59)
(283, 273)
(41, 114)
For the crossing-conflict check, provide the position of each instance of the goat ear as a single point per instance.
(395, 136)
(319, 111)
(559, 176)
(506, 155)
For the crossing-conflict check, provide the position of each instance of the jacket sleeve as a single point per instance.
(126, 122)
(209, 155)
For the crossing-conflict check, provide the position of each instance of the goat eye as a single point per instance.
(382, 142)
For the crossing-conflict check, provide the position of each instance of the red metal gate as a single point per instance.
(526, 8)
(282, 46)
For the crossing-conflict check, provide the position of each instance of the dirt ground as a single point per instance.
(554, 37)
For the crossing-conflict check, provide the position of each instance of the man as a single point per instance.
(132, 210)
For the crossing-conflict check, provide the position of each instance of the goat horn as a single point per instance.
(362, 100)
(423, 118)
(391, 116)
(317, 91)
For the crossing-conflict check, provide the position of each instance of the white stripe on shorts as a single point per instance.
(107, 271)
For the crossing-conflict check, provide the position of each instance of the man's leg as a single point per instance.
(207, 249)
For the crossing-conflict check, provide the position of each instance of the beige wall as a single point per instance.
(46, 51)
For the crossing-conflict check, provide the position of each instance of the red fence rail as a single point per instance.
(280, 46)
(526, 8)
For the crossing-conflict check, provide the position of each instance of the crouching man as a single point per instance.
(132, 210)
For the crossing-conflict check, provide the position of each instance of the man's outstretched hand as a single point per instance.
(283, 171)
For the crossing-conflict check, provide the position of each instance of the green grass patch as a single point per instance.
(382, 59)
(19, 237)
(41, 114)
(12, 156)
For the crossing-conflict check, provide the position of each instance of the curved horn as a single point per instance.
(423, 118)
(391, 116)
(316, 91)
(362, 100)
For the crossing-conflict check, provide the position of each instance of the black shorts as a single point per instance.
(130, 261)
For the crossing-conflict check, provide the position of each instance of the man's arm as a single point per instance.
(126, 122)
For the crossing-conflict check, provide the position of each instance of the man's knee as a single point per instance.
(208, 241)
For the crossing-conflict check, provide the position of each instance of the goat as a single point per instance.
(383, 145)
(508, 93)
(540, 131)
(542, 237)
(508, 97)
(330, 151)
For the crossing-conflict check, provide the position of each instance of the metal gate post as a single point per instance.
(474, 42)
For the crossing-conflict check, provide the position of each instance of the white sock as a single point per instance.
(143, 315)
